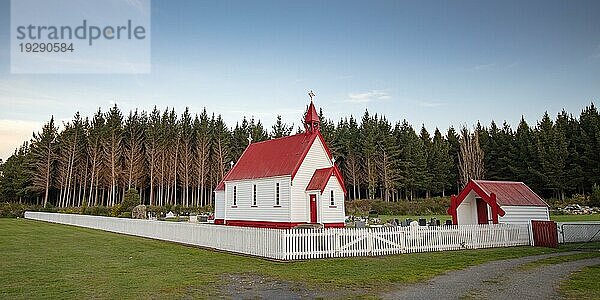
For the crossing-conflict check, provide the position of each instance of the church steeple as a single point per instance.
(311, 120)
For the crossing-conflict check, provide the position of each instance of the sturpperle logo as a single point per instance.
(74, 36)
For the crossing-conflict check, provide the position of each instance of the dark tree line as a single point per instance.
(179, 159)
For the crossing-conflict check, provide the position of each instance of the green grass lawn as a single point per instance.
(575, 218)
(582, 284)
(560, 259)
(442, 218)
(44, 260)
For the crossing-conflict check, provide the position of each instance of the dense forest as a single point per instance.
(179, 159)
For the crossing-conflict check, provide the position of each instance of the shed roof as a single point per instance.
(276, 157)
(511, 193)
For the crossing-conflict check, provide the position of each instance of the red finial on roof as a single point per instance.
(311, 120)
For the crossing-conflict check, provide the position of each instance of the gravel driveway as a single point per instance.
(501, 279)
(496, 280)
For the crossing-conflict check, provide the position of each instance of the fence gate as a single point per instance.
(544, 234)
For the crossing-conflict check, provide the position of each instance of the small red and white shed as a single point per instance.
(283, 182)
(493, 202)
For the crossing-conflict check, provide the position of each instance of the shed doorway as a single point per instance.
(482, 211)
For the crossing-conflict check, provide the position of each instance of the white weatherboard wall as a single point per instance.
(265, 210)
(522, 215)
(291, 244)
(316, 158)
(334, 214)
(219, 204)
(467, 210)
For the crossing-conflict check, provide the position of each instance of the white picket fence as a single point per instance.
(297, 244)
(344, 242)
(252, 241)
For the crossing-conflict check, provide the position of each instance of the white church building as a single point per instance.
(283, 182)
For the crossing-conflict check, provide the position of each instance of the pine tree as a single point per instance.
(368, 145)
(96, 134)
(353, 160)
(590, 143)
(327, 128)
(428, 151)
(43, 157)
(454, 150)
(239, 138)
(498, 151)
(201, 155)
(69, 154)
(152, 135)
(257, 131)
(440, 164)
(346, 143)
(14, 178)
(413, 160)
(220, 151)
(280, 129)
(172, 138)
(574, 166)
(186, 155)
(552, 152)
(113, 153)
(386, 159)
(133, 153)
(524, 164)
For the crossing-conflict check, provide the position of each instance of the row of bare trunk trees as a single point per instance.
(169, 159)
(179, 159)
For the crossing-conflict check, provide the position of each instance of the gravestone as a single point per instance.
(193, 219)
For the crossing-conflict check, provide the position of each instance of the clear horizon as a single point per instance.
(436, 63)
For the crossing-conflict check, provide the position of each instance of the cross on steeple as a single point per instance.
(311, 95)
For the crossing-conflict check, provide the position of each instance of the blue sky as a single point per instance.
(437, 63)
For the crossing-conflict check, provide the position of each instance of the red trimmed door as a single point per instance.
(313, 208)
(482, 211)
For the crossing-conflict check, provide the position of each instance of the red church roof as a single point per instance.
(321, 177)
(276, 157)
(511, 193)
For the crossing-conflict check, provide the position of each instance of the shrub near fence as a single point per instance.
(295, 244)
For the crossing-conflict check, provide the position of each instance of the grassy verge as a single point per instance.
(559, 260)
(557, 218)
(575, 218)
(582, 284)
(385, 218)
(44, 260)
